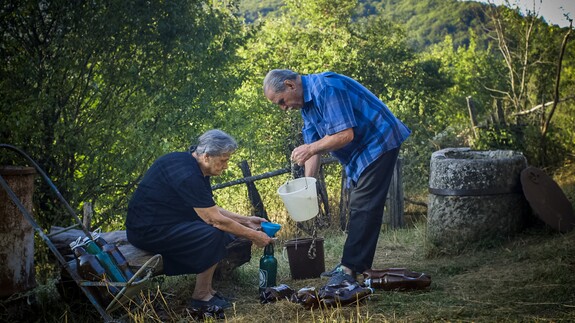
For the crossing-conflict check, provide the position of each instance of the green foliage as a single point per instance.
(315, 36)
(96, 91)
(253, 10)
(530, 50)
(426, 22)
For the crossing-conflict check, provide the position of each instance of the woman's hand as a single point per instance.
(261, 239)
(254, 222)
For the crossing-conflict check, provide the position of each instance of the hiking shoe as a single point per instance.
(332, 272)
(340, 277)
(335, 270)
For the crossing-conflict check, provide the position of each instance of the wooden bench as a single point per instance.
(239, 251)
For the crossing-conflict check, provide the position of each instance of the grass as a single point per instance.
(529, 277)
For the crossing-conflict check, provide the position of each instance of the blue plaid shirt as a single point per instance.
(334, 102)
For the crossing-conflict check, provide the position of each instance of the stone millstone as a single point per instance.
(474, 195)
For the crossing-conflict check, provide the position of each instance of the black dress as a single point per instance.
(161, 216)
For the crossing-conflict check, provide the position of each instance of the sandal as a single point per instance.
(221, 296)
(214, 301)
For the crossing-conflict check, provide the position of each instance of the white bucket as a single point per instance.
(300, 198)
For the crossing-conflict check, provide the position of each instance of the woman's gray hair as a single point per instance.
(215, 143)
(274, 80)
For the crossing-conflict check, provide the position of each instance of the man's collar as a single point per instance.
(306, 93)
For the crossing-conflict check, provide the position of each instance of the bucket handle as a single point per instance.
(284, 254)
(311, 253)
(293, 171)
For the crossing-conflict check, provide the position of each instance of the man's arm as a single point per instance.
(326, 144)
(312, 166)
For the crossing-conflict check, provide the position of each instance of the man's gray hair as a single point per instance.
(274, 80)
(215, 143)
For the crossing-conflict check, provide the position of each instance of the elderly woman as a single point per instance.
(173, 213)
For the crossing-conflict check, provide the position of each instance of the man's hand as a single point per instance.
(301, 154)
(326, 144)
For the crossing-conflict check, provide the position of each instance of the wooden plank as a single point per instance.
(136, 257)
(239, 251)
(343, 202)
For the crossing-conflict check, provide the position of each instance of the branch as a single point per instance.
(537, 107)
(557, 79)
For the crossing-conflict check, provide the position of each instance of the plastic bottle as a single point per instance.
(268, 268)
(308, 297)
(396, 279)
(343, 294)
(276, 293)
(114, 253)
(90, 268)
(379, 283)
(111, 269)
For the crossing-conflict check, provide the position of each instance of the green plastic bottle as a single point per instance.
(107, 262)
(114, 253)
(268, 268)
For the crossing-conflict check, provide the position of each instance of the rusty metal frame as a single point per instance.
(127, 289)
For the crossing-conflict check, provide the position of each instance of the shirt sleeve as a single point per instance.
(337, 111)
(195, 190)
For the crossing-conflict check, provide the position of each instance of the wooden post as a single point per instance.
(343, 202)
(253, 194)
(393, 212)
(87, 218)
(324, 213)
(472, 115)
(394, 203)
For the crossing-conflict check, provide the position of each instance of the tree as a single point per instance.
(96, 90)
(320, 35)
(533, 54)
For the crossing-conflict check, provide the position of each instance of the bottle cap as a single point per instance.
(76, 243)
(367, 282)
(86, 240)
(97, 233)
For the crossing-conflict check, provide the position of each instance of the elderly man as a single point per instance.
(173, 213)
(345, 119)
